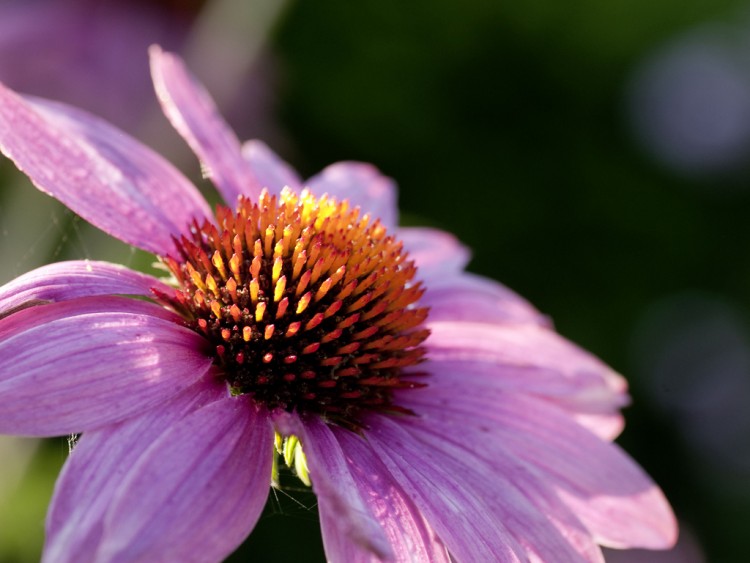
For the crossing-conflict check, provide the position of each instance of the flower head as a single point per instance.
(440, 416)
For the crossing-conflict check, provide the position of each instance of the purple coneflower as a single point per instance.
(436, 413)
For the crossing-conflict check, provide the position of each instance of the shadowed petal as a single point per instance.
(78, 278)
(363, 185)
(99, 463)
(611, 495)
(77, 365)
(196, 491)
(105, 176)
(338, 493)
(435, 252)
(192, 112)
(466, 297)
(478, 515)
(272, 172)
(409, 534)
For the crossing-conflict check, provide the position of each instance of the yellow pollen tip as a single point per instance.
(254, 290)
(255, 266)
(216, 309)
(234, 265)
(303, 303)
(235, 312)
(300, 260)
(302, 283)
(260, 310)
(231, 286)
(218, 261)
(278, 291)
(211, 284)
(323, 289)
(276, 272)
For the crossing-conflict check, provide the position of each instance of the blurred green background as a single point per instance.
(592, 154)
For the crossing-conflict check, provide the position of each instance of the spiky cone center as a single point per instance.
(307, 305)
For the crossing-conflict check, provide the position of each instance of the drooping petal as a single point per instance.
(338, 493)
(81, 364)
(466, 297)
(521, 358)
(435, 252)
(409, 534)
(196, 491)
(611, 495)
(272, 172)
(478, 513)
(100, 462)
(108, 178)
(192, 112)
(363, 185)
(78, 278)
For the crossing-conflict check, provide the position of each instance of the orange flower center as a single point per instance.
(308, 306)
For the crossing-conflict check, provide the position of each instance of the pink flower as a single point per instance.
(438, 411)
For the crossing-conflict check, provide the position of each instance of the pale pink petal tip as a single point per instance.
(687, 550)
(194, 115)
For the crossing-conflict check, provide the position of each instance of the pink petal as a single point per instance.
(98, 465)
(192, 112)
(594, 406)
(338, 493)
(475, 507)
(613, 497)
(466, 297)
(513, 477)
(196, 491)
(81, 364)
(410, 536)
(521, 358)
(272, 172)
(363, 185)
(79, 278)
(435, 252)
(606, 426)
(105, 176)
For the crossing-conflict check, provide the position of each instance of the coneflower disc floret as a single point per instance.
(308, 307)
